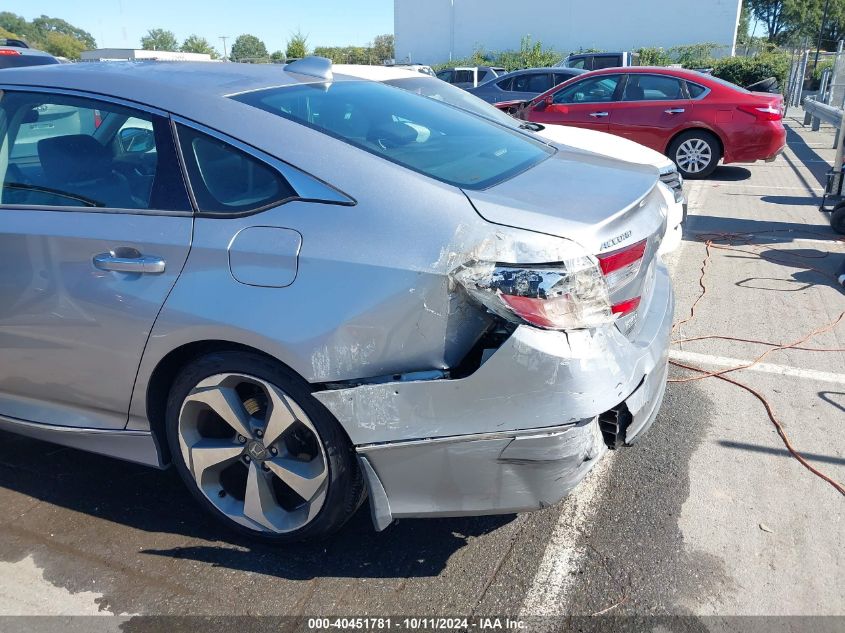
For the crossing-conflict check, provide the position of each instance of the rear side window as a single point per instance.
(606, 61)
(64, 151)
(532, 82)
(561, 77)
(417, 133)
(225, 179)
(695, 91)
(652, 88)
(463, 77)
(14, 60)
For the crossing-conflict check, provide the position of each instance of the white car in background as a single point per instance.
(578, 138)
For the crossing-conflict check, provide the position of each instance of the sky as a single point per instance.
(122, 23)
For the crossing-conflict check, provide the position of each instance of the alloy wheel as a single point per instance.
(253, 453)
(694, 155)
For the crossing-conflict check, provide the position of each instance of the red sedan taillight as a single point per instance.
(762, 112)
(7, 51)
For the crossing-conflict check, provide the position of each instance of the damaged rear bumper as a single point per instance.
(520, 432)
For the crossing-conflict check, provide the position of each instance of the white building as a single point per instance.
(433, 31)
(131, 54)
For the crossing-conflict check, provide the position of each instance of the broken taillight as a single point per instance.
(558, 296)
(620, 267)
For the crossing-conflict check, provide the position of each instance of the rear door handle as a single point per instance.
(142, 264)
(675, 111)
(599, 115)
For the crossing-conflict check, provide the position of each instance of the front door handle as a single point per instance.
(675, 111)
(141, 264)
(599, 115)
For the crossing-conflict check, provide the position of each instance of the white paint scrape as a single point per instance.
(25, 591)
(556, 573)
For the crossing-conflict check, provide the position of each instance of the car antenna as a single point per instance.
(313, 66)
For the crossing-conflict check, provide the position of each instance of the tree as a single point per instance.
(197, 44)
(46, 25)
(248, 48)
(278, 57)
(159, 40)
(63, 45)
(785, 19)
(297, 45)
(383, 48)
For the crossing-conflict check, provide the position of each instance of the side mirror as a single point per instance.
(136, 140)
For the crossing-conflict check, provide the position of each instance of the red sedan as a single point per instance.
(694, 119)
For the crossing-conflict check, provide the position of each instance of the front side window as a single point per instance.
(599, 89)
(578, 62)
(445, 75)
(431, 138)
(506, 84)
(652, 88)
(69, 151)
(225, 179)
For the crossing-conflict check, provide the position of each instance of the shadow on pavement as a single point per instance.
(761, 231)
(729, 173)
(755, 448)
(827, 396)
(810, 201)
(156, 502)
(811, 159)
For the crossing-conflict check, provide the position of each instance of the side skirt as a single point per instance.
(133, 446)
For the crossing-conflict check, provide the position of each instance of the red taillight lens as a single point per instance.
(6, 51)
(762, 112)
(621, 266)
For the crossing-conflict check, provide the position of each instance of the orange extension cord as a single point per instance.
(729, 242)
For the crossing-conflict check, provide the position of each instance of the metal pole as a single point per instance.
(452, 30)
(224, 38)
(821, 30)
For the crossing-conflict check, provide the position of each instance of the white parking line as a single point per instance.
(556, 573)
(766, 368)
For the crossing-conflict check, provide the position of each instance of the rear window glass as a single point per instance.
(18, 61)
(428, 137)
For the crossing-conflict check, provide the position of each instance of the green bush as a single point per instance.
(817, 72)
(654, 57)
(744, 71)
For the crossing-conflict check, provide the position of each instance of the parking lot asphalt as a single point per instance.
(708, 515)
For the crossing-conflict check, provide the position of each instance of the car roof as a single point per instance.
(375, 73)
(151, 81)
(654, 70)
(550, 69)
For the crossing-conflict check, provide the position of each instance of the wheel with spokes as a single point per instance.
(696, 153)
(259, 451)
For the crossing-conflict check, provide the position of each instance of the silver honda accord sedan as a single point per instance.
(303, 289)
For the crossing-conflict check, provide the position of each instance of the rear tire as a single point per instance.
(258, 451)
(837, 219)
(696, 153)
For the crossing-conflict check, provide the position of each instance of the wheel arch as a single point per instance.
(165, 372)
(696, 128)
